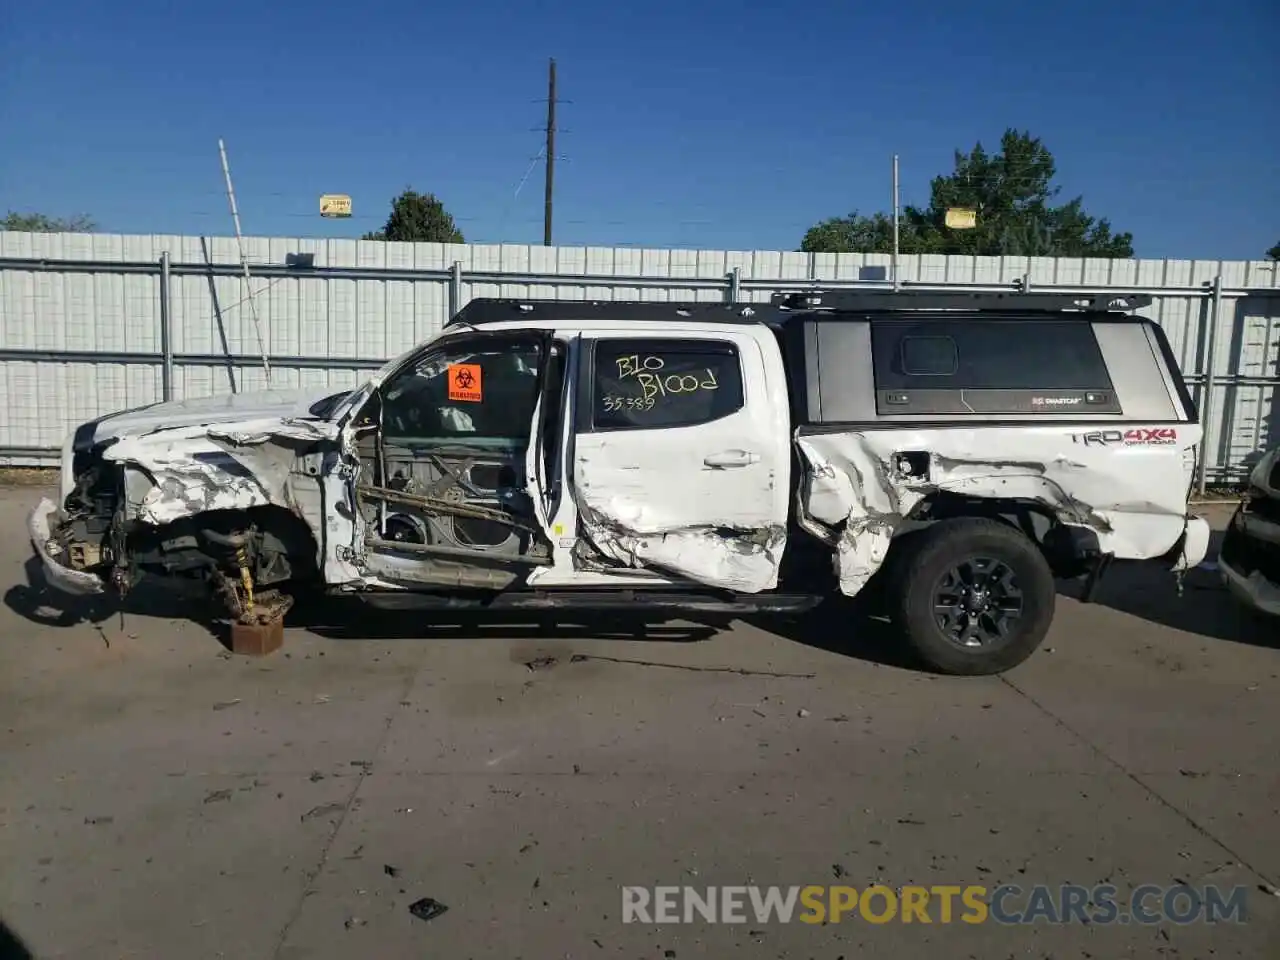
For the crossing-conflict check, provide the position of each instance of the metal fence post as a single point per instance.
(735, 285)
(1210, 381)
(455, 289)
(166, 331)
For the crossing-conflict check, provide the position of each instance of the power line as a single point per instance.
(506, 211)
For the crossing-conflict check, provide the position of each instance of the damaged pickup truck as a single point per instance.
(951, 454)
(1249, 560)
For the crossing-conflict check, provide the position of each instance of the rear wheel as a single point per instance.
(974, 597)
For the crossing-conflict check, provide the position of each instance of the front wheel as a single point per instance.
(974, 597)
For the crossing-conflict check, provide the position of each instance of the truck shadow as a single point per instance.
(839, 626)
(11, 945)
(330, 617)
(844, 627)
(1205, 608)
(39, 603)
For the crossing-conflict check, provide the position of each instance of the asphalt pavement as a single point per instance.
(162, 798)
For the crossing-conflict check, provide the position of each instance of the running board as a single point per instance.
(639, 601)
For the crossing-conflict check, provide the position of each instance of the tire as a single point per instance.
(1021, 580)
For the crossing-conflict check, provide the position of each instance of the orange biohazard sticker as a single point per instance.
(466, 382)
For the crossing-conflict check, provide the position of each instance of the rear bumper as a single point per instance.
(1250, 560)
(75, 582)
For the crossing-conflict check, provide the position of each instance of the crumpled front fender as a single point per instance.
(75, 582)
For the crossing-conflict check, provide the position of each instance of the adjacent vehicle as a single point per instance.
(956, 453)
(1249, 560)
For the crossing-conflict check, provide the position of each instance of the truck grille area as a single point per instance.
(1246, 554)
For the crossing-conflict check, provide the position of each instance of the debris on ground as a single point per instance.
(839, 718)
(217, 796)
(323, 810)
(838, 871)
(1267, 888)
(541, 663)
(390, 871)
(99, 821)
(224, 704)
(354, 922)
(802, 713)
(316, 776)
(427, 908)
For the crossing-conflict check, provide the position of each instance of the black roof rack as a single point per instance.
(817, 299)
(484, 310)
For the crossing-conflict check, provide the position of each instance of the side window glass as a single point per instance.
(478, 392)
(929, 357)
(649, 384)
(977, 367)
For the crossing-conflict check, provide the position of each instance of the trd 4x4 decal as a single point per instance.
(1139, 437)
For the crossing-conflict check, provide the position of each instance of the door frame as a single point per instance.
(367, 542)
(564, 524)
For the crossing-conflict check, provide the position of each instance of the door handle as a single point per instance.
(731, 458)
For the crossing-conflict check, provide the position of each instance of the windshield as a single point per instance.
(344, 403)
(323, 409)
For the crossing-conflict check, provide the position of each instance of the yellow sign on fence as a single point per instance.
(335, 205)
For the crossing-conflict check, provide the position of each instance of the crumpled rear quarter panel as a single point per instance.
(1134, 497)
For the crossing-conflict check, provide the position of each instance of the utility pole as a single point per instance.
(551, 153)
(896, 284)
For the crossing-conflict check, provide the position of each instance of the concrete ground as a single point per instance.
(159, 798)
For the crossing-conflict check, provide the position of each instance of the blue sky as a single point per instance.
(707, 124)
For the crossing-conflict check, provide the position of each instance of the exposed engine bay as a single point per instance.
(242, 555)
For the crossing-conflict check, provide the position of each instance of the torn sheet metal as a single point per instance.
(194, 474)
(745, 561)
(50, 551)
(860, 486)
(190, 457)
(212, 453)
(227, 412)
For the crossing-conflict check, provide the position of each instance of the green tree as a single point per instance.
(1013, 194)
(418, 218)
(1274, 252)
(39, 223)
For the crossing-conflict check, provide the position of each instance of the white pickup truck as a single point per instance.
(956, 453)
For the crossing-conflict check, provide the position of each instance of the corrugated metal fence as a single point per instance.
(93, 323)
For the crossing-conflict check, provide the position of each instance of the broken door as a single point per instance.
(681, 459)
(446, 501)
